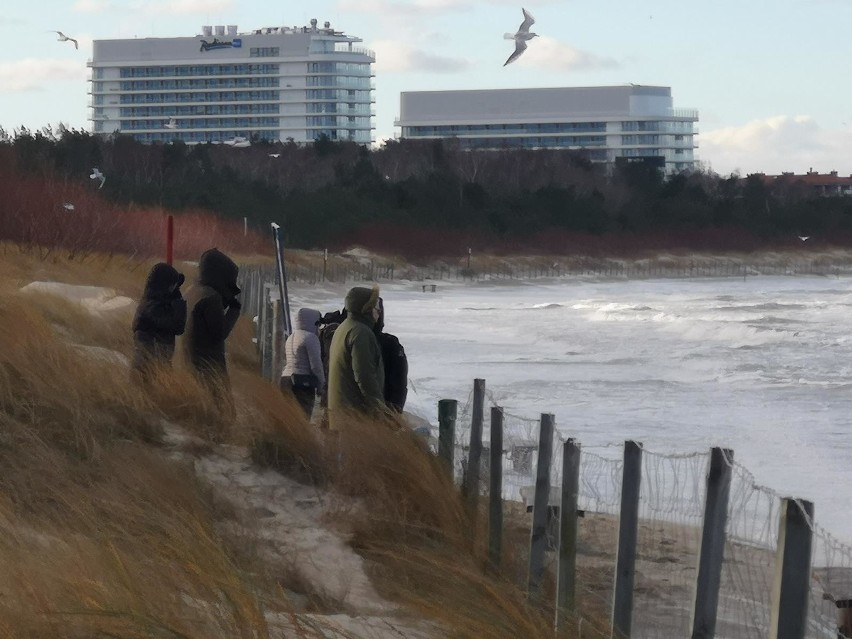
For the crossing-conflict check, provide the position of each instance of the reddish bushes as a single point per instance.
(50, 212)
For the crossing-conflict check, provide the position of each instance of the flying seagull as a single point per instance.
(172, 124)
(275, 155)
(61, 37)
(804, 238)
(97, 175)
(68, 206)
(521, 37)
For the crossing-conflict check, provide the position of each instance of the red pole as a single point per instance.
(170, 239)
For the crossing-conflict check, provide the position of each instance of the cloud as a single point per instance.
(160, 7)
(399, 8)
(394, 57)
(547, 53)
(776, 144)
(31, 74)
(184, 7)
(92, 6)
(403, 8)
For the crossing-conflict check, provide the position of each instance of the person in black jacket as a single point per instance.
(160, 316)
(215, 310)
(395, 363)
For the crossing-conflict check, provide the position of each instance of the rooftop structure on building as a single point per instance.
(608, 124)
(274, 83)
(813, 182)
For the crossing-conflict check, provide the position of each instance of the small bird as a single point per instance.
(521, 37)
(804, 238)
(97, 175)
(171, 124)
(68, 206)
(275, 155)
(61, 37)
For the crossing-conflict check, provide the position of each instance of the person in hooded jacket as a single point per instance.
(214, 312)
(356, 375)
(394, 361)
(303, 373)
(160, 317)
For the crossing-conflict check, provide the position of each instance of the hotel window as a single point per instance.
(264, 52)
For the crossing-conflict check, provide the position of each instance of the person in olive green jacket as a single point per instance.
(355, 370)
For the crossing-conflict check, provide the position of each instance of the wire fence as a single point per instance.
(671, 512)
(342, 270)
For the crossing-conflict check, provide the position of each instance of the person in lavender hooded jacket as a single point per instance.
(303, 373)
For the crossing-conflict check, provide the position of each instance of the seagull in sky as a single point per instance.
(97, 175)
(61, 37)
(521, 37)
(68, 206)
(804, 238)
(171, 124)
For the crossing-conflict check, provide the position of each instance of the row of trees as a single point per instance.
(332, 194)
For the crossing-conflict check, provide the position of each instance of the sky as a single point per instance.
(767, 77)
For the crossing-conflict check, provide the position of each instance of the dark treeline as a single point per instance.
(417, 198)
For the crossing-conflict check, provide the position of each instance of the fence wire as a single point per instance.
(671, 505)
(672, 497)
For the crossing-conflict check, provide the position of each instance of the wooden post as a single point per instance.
(791, 586)
(712, 550)
(170, 239)
(566, 584)
(447, 411)
(275, 329)
(495, 489)
(538, 533)
(266, 332)
(628, 528)
(474, 458)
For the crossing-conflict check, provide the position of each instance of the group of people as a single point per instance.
(344, 357)
(205, 319)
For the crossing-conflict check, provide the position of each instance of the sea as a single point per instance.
(761, 365)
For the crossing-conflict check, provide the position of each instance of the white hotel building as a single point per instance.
(610, 124)
(273, 83)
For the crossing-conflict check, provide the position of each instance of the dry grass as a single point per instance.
(104, 535)
(101, 534)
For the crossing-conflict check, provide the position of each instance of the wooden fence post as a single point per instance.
(265, 325)
(628, 528)
(474, 456)
(791, 586)
(538, 533)
(170, 239)
(495, 489)
(566, 584)
(276, 344)
(712, 551)
(447, 411)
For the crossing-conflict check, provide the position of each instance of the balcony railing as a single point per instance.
(685, 113)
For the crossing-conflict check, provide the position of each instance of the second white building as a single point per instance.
(609, 124)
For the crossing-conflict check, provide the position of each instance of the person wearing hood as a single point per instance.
(214, 312)
(303, 373)
(355, 373)
(394, 361)
(160, 317)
